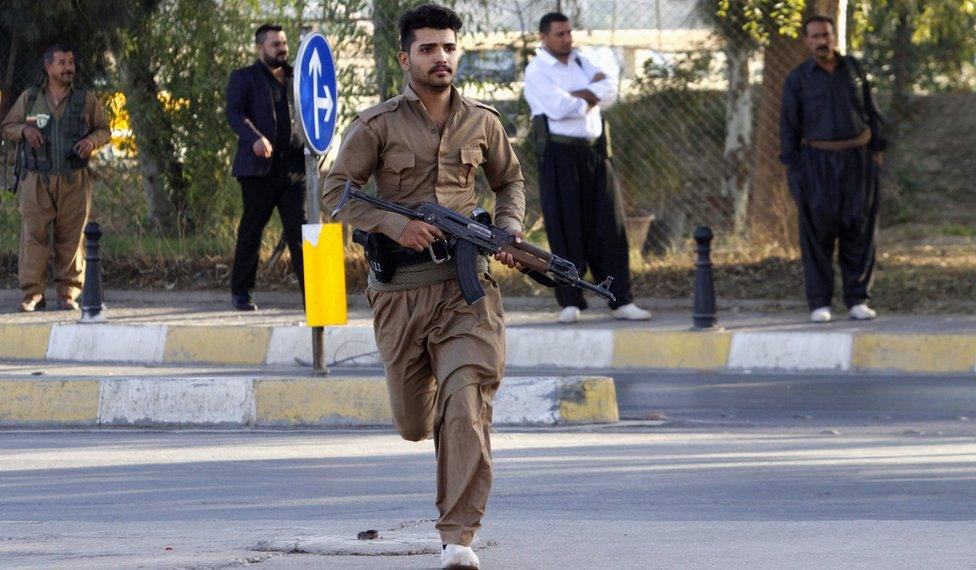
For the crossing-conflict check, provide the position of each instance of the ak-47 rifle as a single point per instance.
(470, 236)
(20, 160)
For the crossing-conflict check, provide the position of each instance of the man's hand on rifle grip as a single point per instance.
(417, 235)
(507, 258)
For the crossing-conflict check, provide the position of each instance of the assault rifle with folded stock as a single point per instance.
(470, 237)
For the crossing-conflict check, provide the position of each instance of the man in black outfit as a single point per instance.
(831, 139)
(269, 163)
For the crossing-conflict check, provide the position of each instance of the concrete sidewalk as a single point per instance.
(197, 328)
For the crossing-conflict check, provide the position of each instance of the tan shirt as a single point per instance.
(15, 121)
(412, 162)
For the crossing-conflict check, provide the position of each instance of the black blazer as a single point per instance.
(251, 114)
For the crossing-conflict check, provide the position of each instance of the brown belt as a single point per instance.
(860, 140)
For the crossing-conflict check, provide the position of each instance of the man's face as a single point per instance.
(274, 50)
(559, 39)
(820, 40)
(62, 67)
(432, 59)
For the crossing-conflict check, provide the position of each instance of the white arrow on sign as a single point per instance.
(319, 103)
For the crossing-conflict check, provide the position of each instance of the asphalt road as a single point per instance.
(733, 470)
(797, 399)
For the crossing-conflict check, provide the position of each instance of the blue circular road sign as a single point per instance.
(316, 91)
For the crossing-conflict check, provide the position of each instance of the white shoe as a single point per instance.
(459, 557)
(631, 312)
(863, 312)
(569, 315)
(821, 315)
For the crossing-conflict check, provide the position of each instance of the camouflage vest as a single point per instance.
(60, 134)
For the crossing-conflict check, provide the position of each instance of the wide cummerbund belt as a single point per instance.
(857, 142)
(572, 141)
(422, 274)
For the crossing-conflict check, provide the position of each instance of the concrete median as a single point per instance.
(532, 346)
(162, 401)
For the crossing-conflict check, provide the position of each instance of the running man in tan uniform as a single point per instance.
(61, 126)
(444, 359)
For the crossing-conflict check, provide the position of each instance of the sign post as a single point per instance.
(317, 101)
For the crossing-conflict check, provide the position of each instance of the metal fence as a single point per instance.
(694, 133)
(668, 128)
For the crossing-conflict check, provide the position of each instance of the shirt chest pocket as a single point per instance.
(471, 159)
(396, 167)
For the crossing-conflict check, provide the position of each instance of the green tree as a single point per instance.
(27, 27)
(746, 28)
(913, 45)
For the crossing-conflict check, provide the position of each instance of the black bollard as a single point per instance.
(91, 295)
(704, 311)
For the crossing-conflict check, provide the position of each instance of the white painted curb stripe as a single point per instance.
(527, 401)
(351, 346)
(139, 401)
(290, 346)
(579, 348)
(791, 351)
(107, 343)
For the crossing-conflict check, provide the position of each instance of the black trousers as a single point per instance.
(836, 194)
(283, 188)
(584, 219)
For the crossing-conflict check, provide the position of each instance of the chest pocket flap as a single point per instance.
(472, 156)
(398, 161)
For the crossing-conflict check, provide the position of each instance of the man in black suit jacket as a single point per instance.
(269, 163)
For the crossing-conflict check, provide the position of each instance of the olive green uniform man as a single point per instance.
(444, 359)
(61, 126)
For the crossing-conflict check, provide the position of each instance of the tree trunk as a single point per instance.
(771, 212)
(738, 131)
(385, 47)
(162, 177)
(902, 56)
(8, 81)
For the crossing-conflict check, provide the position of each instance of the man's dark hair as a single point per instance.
(426, 16)
(51, 50)
(546, 22)
(262, 32)
(819, 18)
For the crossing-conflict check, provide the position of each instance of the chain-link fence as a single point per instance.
(694, 133)
(668, 127)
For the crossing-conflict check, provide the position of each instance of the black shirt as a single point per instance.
(819, 105)
(279, 96)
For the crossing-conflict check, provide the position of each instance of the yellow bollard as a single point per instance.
(325, 275)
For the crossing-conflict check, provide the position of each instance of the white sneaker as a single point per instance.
(863, 312)
(569, 315)
(631, 312)
(459, 557)
(821, 315)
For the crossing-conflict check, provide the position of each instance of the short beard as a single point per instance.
(272, 62)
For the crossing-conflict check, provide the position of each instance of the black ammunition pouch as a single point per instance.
(539, 135)
(384, 255)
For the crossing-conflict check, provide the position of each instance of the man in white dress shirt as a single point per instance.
(580, 202)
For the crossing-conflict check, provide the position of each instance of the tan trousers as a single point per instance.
(444, 362)
(49, 203)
